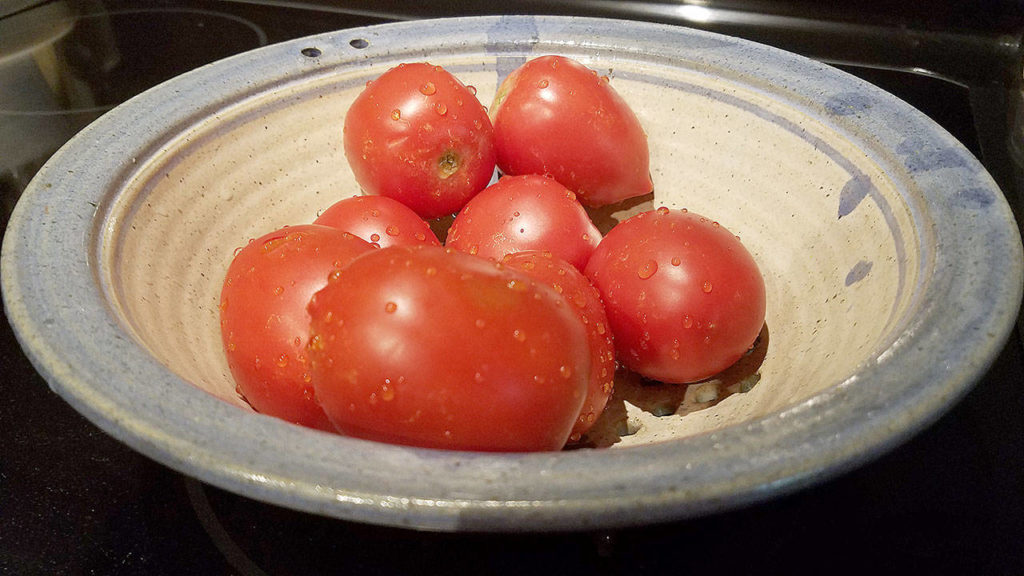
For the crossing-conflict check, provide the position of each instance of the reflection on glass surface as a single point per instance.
(61, 69)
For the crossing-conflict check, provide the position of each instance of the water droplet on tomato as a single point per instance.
(472, 89)
(440, 108)
(392, 230)
(580, 300)
(600, 328)
(687, 321)
(278, 290)
(430, 271)
(282, 360)
(647, 269)
(519, 335)
(663, 210)
(428, 88)
(390, 307)
(676, 261)
(542, 84)
(706, 287)
(396, 114)
(565, 371)
(478, 378)
(387, 393)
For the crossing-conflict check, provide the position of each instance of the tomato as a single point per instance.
(418, 135)
(585, 300)
(555, 116)
(684, 297)
(378, 220)
(263, 318)
(525, 213)
(432, 347)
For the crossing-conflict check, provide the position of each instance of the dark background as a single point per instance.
(75, 501)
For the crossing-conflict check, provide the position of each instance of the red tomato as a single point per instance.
(263, 318)
(378, 220)
(555, 116)
(418, 135)
(431, 347)
(684, 297)
(525, 213)
(585, 300)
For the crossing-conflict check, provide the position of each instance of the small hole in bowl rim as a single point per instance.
(312, 52)
(358, 43)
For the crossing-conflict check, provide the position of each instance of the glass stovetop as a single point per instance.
(75, 501)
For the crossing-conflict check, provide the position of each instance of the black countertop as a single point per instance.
(75, 501)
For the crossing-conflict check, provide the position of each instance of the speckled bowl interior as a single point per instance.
(892, 264)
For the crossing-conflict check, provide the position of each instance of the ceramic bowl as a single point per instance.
(892, 264)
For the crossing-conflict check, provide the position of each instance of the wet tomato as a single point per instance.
(684, 297)
(525, 213)
(555, 116)
(379, 220)
(418, 135)
(432, 347)
(585, 300)
(263, 318)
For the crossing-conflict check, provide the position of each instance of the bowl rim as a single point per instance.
(56, 304)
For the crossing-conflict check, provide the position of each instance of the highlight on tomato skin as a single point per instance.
(379, 220)
(684, 297)
(419, 135)
(583, 298)
(528, 212)
(554, 116)
(435, 348)
(263, 319)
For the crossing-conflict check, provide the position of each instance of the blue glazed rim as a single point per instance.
(51, 291)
